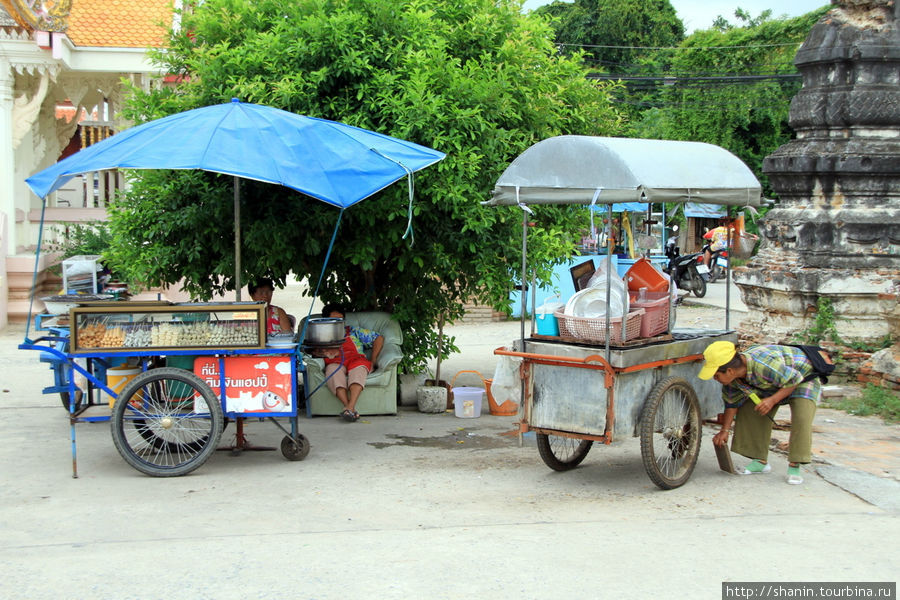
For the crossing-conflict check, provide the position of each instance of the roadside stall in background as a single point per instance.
(167, 375)
(633, 233)
(607, 374)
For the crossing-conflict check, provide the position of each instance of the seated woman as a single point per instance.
(277, 321)
(346, 369)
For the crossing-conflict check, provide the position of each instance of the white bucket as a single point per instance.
(467, 402)
(117, 377)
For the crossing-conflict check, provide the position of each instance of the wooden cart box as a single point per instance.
(121, 327)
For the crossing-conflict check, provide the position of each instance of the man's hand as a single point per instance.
(765, 405)
(721, 438)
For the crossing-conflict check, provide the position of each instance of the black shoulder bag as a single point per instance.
(822, 364)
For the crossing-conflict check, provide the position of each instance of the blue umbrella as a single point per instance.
(335, 163)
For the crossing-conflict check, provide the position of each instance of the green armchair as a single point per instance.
(380, 394)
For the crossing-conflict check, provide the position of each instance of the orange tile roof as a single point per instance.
(120, 23)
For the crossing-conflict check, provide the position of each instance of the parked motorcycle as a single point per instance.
(686, 271)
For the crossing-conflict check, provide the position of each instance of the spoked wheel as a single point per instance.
(295, 449)
(698, 285)
(670, 432)
(155, 427)
(562, 453)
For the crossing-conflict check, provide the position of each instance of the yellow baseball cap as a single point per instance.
(716, 355)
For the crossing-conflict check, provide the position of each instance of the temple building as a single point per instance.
(62, 63)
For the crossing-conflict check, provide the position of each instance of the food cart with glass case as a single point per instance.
(190, 366)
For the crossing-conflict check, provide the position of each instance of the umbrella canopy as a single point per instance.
(330, 161)
(335, 163)
(571, 169)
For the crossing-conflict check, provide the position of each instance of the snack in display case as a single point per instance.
(121, 327)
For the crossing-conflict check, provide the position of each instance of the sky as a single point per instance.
(700, 14)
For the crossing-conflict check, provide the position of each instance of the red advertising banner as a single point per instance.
(253, 384)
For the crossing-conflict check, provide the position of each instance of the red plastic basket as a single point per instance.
(656, 313)
(594, 330)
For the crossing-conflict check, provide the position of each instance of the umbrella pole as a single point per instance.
(237, 238)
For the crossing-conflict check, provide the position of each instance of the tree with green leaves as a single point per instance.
(732, 86)
(475, 79)
(615, 35)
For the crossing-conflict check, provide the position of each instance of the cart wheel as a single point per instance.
(64, 398)
(61, 373)
(670, 432)
(293, 449)
(562, 453)
(698, 285)
(157, 431)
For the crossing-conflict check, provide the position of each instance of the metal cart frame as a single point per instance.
(153, 428)
(575, 393)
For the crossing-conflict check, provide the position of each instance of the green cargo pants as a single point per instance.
(753, 431)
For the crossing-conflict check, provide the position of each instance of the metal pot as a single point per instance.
(325, 331)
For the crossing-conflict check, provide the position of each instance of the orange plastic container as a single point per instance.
(643, 274)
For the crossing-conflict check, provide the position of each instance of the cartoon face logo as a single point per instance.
(273, 401)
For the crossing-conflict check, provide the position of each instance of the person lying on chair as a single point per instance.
(346, 368)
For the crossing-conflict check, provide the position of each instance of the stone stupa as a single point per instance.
(835, 233)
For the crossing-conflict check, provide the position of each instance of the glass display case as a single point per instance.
(123, 326)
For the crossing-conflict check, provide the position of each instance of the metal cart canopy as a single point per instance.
(570, 169)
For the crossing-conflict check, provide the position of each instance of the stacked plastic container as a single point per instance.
(649, 289)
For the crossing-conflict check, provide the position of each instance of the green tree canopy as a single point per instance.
(614, 34)
(475, 79)
(731, 85)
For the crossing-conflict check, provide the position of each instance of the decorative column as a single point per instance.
(7, 161)
(835, 233)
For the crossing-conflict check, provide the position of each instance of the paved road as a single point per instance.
(719, 295)
(406, 506)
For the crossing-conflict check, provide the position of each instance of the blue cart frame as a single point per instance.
(153, 428)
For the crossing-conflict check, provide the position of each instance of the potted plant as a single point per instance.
(434, 396)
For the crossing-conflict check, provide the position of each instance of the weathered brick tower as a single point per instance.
(836, 231)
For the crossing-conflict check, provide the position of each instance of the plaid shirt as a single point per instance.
(770, 368)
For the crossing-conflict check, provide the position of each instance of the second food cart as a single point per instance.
(598, 380)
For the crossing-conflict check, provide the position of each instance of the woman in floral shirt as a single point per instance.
(768, 376)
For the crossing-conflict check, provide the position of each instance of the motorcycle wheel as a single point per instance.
(715, 271)
(698, 285)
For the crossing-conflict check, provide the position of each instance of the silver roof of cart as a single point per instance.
(575, 169)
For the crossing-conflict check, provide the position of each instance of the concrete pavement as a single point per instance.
(720, 295)
(406, 506)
